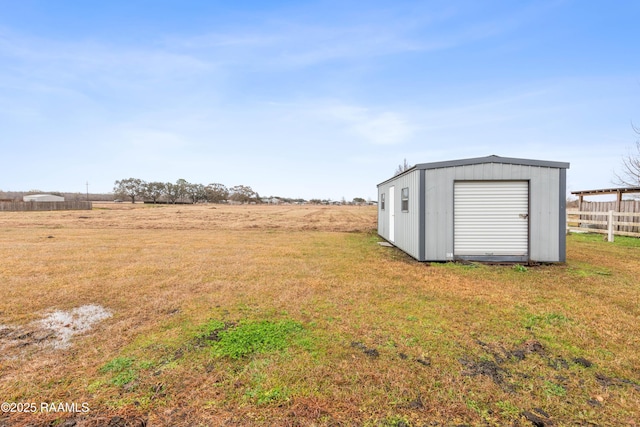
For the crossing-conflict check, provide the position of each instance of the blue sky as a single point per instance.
(318, 99)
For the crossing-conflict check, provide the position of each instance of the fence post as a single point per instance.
(610, 227)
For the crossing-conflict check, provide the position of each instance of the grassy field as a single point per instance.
(266, 315)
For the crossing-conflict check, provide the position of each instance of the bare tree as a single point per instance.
(402, 167)
(629, 175)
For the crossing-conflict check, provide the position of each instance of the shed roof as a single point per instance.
(43, 197)
(480, 160)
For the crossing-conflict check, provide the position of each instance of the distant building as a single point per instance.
(43, 198)
(271, 200)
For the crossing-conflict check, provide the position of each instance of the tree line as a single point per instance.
(181, 191)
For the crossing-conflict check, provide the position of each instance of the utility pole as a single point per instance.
(87, 191)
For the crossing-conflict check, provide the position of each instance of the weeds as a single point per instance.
(254, 337)
(276, 395)
(508, 410)
(520, 268)
(122, 370)
(547, 319)
(552, 389)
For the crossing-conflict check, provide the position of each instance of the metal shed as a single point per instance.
(483, 209)
(43, 198)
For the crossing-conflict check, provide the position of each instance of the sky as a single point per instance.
(310, 99)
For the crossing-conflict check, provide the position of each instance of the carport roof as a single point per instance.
(600, 191)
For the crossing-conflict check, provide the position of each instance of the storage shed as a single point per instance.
(482, 209)
(43, 198)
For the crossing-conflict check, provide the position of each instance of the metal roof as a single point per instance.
(607, 191)
(481, 160)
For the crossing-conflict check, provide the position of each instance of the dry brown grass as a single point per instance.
(386, 340)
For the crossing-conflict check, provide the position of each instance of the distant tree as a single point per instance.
(359, 200)
(242, 194)
(402, 167)
(315, 201)
(196, 192)
(182, 188)
(171, 192)
(154, 191)
(216, 193)
(629, 175)
(131, 188)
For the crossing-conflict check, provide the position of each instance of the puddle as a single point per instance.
(66, 324)
(55, 330)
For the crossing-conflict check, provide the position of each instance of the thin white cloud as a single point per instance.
(379, 128)
(91, 62)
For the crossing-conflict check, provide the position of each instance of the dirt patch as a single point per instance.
(501, 360)
(371, 352)
(606, 382)
(54, 330)
(538, 418)
(487, 368)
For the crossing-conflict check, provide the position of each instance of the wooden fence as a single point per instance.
(45, 206)
(609, 223)
(623, 206)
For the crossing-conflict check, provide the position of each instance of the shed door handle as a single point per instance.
(524, 216)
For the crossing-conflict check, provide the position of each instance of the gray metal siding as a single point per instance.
(545, 215)
(407, 224)
(544, 210)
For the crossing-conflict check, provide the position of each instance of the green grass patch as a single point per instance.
(125, 370)
(587, 270)
(275, 395)
(552, 389)
(122, 370)
(547, 319)
(597, 238)
(508, 409)
(254, 337)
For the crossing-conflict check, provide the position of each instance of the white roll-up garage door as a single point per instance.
(491, 218)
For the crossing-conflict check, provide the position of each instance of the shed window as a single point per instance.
(405, 199)
(382, 201)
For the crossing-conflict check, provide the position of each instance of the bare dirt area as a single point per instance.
(139, 315)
